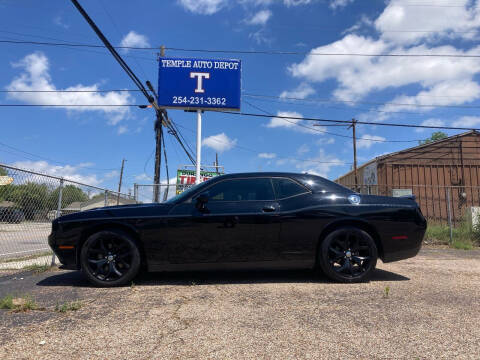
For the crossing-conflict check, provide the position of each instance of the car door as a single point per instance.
(239, 223)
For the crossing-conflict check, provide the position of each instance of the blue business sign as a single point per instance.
(199, 84)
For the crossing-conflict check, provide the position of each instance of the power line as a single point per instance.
(246, 52)
(349, 121)
(279, 157)
(362, 102)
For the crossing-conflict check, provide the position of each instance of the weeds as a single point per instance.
(68, 306)
(37, 269)
(386, 292)
(30, 257)
(20, 304)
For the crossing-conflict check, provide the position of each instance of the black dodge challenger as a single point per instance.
(252, 220)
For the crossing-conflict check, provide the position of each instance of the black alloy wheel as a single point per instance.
(348, 254)
(110, 258)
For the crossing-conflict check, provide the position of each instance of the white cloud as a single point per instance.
(303, 149)
(440, 80)
(58, 20)
(430, 122)
(260, 37)
(203, 7)
(219, 142)
(260, 18)
(460, 20)
(296, 2)
(142, 177)
(367, 141)
(358, 76)
(292, 120)
(325, 141)
(318, 165)
(36, 76)
(334, 4)
(68, 172)
(467, 121)
(111, 174)
(122, 130)
(134, 39)
(302, 91)
(267, 155)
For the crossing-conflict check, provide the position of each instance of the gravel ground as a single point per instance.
(431, 312)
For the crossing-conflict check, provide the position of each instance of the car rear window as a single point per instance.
(285, 188)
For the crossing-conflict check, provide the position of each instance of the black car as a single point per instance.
(252, 220)
(11, 215)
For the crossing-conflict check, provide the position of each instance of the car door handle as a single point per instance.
(268, 209)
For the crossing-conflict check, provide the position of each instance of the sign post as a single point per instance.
(199, 146)
(198, 85)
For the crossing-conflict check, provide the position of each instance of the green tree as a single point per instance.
(438, 135)
(30, 197)
(3, 171)
(70, 194)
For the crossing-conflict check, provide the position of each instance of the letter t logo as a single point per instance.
(199, 76)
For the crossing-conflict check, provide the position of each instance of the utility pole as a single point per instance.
(120, 182)
(216, 162)
(158, 145)
(354, 137)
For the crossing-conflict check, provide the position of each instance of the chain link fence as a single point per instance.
(29, 201)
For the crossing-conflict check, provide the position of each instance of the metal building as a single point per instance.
(443, 175)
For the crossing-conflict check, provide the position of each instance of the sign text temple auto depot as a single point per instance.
(193, 84)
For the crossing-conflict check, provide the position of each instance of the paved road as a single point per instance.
(431, 312)
(26, 238)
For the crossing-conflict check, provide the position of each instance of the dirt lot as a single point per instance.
(432, 311)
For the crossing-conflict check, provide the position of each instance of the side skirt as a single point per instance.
(261, 265)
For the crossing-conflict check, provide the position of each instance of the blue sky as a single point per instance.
(88, 144)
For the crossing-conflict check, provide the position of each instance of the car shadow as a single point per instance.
(76, 278)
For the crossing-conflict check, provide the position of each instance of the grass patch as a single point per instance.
(68, 306)
(37, 269)
(463, 236)
(21, 304)
(461, 245)
(6, 303)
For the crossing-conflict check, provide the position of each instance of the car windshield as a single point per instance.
(187, 193)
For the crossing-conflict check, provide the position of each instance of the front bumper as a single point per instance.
(67, 255)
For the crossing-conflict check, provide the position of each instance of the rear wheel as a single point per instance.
(348, 254)
(110, 258)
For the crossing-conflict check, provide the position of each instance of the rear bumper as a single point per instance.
(400, 249)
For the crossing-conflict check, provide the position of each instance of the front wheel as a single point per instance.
(348, 255)
(110, 258)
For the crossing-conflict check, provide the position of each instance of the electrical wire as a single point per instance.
(245, 52)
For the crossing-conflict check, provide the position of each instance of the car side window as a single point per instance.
(285, 188)
(242, 190)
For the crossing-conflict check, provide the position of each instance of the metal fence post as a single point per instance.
(449, 214)
(106, 198)
(59, 211)
(135, 192)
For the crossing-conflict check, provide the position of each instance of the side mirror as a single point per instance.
(202, 200)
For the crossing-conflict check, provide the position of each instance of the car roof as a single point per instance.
(266, 174)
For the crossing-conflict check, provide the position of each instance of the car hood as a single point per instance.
(121, 211)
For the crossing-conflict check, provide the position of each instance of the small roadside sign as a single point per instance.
(5, 180)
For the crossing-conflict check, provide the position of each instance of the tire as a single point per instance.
(110, 258)
(348, 255)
